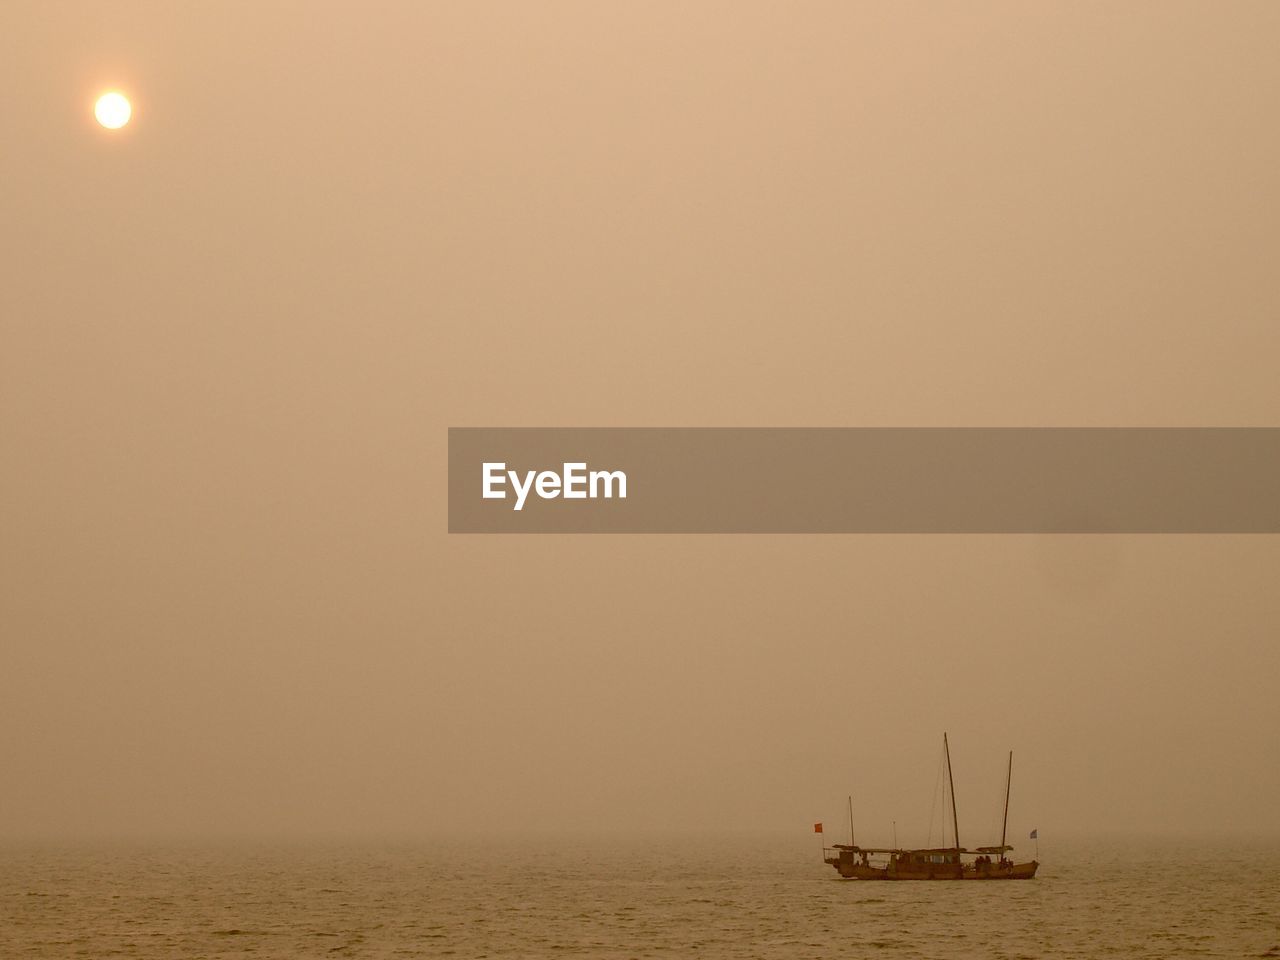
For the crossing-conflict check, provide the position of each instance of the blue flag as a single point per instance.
(1034, 834)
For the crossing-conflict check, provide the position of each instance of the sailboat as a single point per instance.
(934, 863)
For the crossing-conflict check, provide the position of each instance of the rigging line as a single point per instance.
(951, 784)
(937, 781)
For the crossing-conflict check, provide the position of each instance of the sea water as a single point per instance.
(737, 896)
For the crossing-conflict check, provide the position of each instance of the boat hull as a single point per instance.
(1014, 871)
(950, 871)
(852, 869)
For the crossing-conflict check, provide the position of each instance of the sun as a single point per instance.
(113, 110)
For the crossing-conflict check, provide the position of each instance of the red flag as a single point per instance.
(817, 828)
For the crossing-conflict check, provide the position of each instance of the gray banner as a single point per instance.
(864, 480)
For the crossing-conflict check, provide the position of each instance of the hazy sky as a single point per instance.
(233, 335)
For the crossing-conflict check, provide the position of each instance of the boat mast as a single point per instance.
(1008, 782)
(955, 821)
(851, 841)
